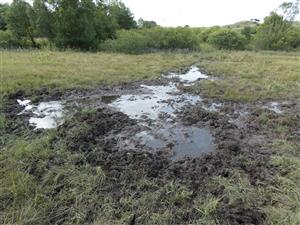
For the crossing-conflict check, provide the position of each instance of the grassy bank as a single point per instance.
(24, 70)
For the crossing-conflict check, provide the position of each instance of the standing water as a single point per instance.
(46, 115)
(156, 111)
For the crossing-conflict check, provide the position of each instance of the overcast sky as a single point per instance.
(199, 12)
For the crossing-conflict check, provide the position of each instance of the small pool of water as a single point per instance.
(45, 115)
(161, 99)
(181, 141)
(275, 107)
(153, 106)
(191, 76)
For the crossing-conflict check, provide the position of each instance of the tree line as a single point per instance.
(110, 26)
(66, 23)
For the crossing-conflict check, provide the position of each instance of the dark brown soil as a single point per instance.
(101, 136)
(96, 137)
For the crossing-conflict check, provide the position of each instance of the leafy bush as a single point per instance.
(248, 32)
(205, 34)
(42, 42)
(129, 41)
(227, 39)
(277, 34)
(142, 40)
(173, 38)
(7, 39)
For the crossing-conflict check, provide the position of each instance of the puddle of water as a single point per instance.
(182, 141)
(162, 99)
(191, 76)
(46, 115)
(155, 108)
(214, 107)
(24, 102)
(273, 106)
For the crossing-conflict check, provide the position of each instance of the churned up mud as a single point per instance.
(155, 130)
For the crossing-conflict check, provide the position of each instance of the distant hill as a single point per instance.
(241, 24)
(296, 24)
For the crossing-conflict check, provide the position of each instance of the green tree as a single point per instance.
(105, 24)
(276, 33)
(146, 24)
(3, 10)
(20, 20)
(44, 19)
(74, 24)
(82, 23)
(123, 16)
(289, 10)
(248, 32)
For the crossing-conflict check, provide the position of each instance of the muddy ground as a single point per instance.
(103, 135)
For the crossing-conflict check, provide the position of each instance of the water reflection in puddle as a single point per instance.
(191, 76)
(46, 115)
(214, 107)
(162, 99)
(275, 107)
(182, 141)
(154, 110)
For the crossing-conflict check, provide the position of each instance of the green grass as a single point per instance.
(244, 76)
(24, 70)
(285, 192)
(251, 76)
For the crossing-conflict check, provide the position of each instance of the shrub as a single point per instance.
(227, 39)
(173, 38)
(42, 42)
(127, 41)
(7, 40)
(143, 40)
(248, 32)
(277, 34)
(205, 34)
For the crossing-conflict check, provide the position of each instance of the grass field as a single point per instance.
(24, 70)
(42, 183)
(250, 76)
(247, 76)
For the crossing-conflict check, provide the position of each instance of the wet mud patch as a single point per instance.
(102, 127)
(135, 133)
(177, 141)
(101, 135)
